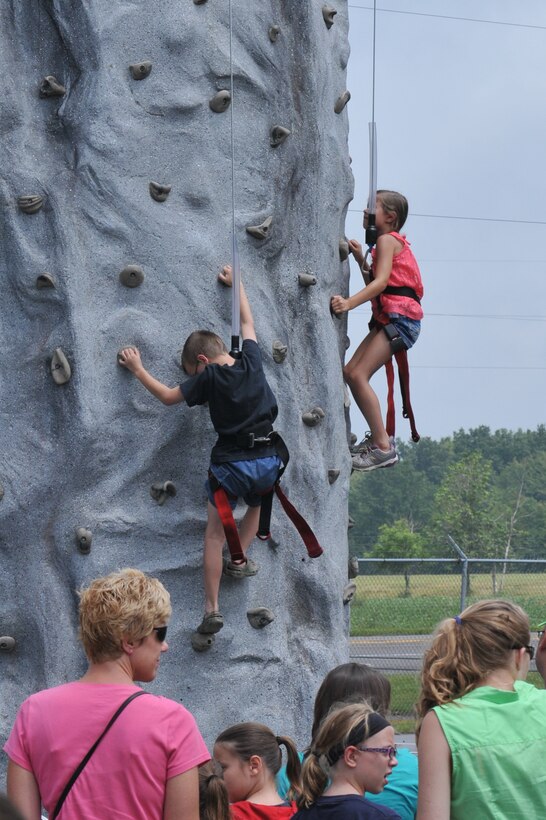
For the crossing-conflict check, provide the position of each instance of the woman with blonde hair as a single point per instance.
(353, 753)
(482, 733)
(101, 747)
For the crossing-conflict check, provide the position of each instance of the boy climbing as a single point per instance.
(394, 287)
(244, 460)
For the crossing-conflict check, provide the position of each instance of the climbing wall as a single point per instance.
(116, 218)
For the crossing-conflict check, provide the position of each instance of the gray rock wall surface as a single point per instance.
(85, 453)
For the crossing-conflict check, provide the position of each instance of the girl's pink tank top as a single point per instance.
(405, 273)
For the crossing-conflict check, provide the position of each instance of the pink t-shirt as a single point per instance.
(405, 273)
(152, 740)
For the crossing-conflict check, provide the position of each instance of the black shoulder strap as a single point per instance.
(80, 767)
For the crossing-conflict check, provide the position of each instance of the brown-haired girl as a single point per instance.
(353, 752)
(250, 756)
(393, 286)
(483, 729)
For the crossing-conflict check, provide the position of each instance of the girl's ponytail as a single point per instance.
(313, 780)
(293, 766)
(213, 797)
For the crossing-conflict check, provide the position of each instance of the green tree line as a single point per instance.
(485, 489)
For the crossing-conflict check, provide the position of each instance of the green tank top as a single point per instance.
(498, 748)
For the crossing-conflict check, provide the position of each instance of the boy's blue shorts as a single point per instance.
(246, 479)
(409, 329)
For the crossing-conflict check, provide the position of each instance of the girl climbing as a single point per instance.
(393, 285)
(354, 750)
(250, 757)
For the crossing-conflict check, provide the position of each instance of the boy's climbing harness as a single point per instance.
(226, 513)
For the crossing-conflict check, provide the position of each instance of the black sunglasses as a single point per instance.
(160, 633)
(529, 649)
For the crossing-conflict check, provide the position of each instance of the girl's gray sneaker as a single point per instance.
(373, 458)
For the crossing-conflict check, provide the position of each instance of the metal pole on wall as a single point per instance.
(464, 570)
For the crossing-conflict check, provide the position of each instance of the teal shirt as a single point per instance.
(498, 748)
(400, 793)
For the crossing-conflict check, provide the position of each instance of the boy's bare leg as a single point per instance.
(212, 558)
(374, 352)
(212, 552)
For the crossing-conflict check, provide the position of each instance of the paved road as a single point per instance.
(390, 653)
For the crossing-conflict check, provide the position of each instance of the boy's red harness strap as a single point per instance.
(228, 522)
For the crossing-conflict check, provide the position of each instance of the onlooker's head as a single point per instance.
(354, 746)
(124, 606)
(8, 810)
(467, 648)
(201, 342)
(351, 682)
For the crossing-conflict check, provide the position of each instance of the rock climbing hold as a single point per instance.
(30, 203)
(201, 642)
(83, 540)
(349, 591)
(260, 617)
(7, 643)
(329, 13)
(313, 417)
(278, 134)
(306, 280)
(140, 70)
(350, 523)
(159, 192)
(333, 475)
(132, 276)
(347, 344)
(342, 101)
(260, 231)
(60, 369)
(352, 568)
(45, 280)
(274, 32)
(1, 492)
(199, 2)
(51, 87)
(279, 352)
(220, 102)
(353, 439)
(160, 492)
(343, 250)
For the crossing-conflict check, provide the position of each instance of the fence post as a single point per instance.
(464, 570)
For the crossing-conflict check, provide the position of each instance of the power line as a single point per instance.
(449, 17)
(468, 218)
(472, 367)
(495, 316)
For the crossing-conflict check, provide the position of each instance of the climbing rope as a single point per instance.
(371, 230)
(236, 286)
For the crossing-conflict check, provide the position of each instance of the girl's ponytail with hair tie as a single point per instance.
(458, 620)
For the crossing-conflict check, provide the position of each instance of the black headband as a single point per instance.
(376, 723)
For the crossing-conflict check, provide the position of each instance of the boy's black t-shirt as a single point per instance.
(239, 398)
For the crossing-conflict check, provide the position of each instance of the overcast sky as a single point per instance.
(460, 107)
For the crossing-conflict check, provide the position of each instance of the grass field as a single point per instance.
(381, 606)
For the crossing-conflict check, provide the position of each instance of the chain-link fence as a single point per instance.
(399, 602)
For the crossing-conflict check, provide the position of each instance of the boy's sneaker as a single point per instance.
(362, 446)
(373, 458)
(245, 570)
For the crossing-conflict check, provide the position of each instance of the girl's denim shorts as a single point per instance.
(409, 329)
